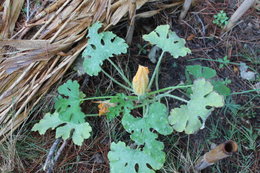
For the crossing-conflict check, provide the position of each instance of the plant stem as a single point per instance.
(156, 70)
(168, 88)
(157, 80)
(205, 59)
(91, 115)
(97, 98)
(243, 92)
(172, 96)
(105, 97)
(110, 77)
(233, 63)
(120, 72)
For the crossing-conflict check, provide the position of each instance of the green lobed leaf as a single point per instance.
(199, 71)
(49, 121)
(68, 102)
(155, 118)
(123, 105)
(186, 117)
(80, 132)
(100, 47)
(168, 41)
(123, 159)
(221, 88)
(64, 129)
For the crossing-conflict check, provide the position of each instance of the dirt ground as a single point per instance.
(238, 120)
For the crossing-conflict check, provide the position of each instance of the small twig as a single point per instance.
(49, 160)
(60, 150)
(185, 8)
(49, 165)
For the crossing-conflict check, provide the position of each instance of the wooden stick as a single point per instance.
(185, 8)
(49, 160)
(238, 13)
(49, 165)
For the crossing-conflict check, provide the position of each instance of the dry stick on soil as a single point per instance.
(49, 162)
(185, 8)
(51, 159)
(130, 31)
(238, 13)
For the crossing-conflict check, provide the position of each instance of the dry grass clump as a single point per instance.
(39, 53)
(36, 50)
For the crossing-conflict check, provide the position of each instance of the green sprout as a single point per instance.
(221, 19)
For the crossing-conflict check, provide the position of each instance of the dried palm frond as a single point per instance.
(54, 39)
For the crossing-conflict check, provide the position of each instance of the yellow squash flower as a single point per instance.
(141, 80)
(104, 106)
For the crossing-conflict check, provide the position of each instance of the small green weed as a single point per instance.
(223, 62)
(221, 19)
(142, 49)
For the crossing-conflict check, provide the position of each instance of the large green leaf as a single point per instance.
(64, 129)
(68, 102)
(123, 159)
(168, 41)
(80, 132)
(155, 118)
(201, 104)
(151, 153)
(100, 47)
(199, 71)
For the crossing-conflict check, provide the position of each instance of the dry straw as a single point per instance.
(36, 56)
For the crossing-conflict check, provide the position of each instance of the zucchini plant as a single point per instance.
(147, 155)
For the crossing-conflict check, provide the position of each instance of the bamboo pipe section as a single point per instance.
(222, 151)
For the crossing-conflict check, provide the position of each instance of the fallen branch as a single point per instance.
(52, 158)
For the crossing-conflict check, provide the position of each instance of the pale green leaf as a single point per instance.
(49, 121)
(100, 47)
(80, 132)
(201, 104)
(68, 102)
(199, 71)
(64, 129)
(151, 153)
(123, 160)
(168, 41)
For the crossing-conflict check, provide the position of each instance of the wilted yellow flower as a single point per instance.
(141, 80)
(104, 106)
